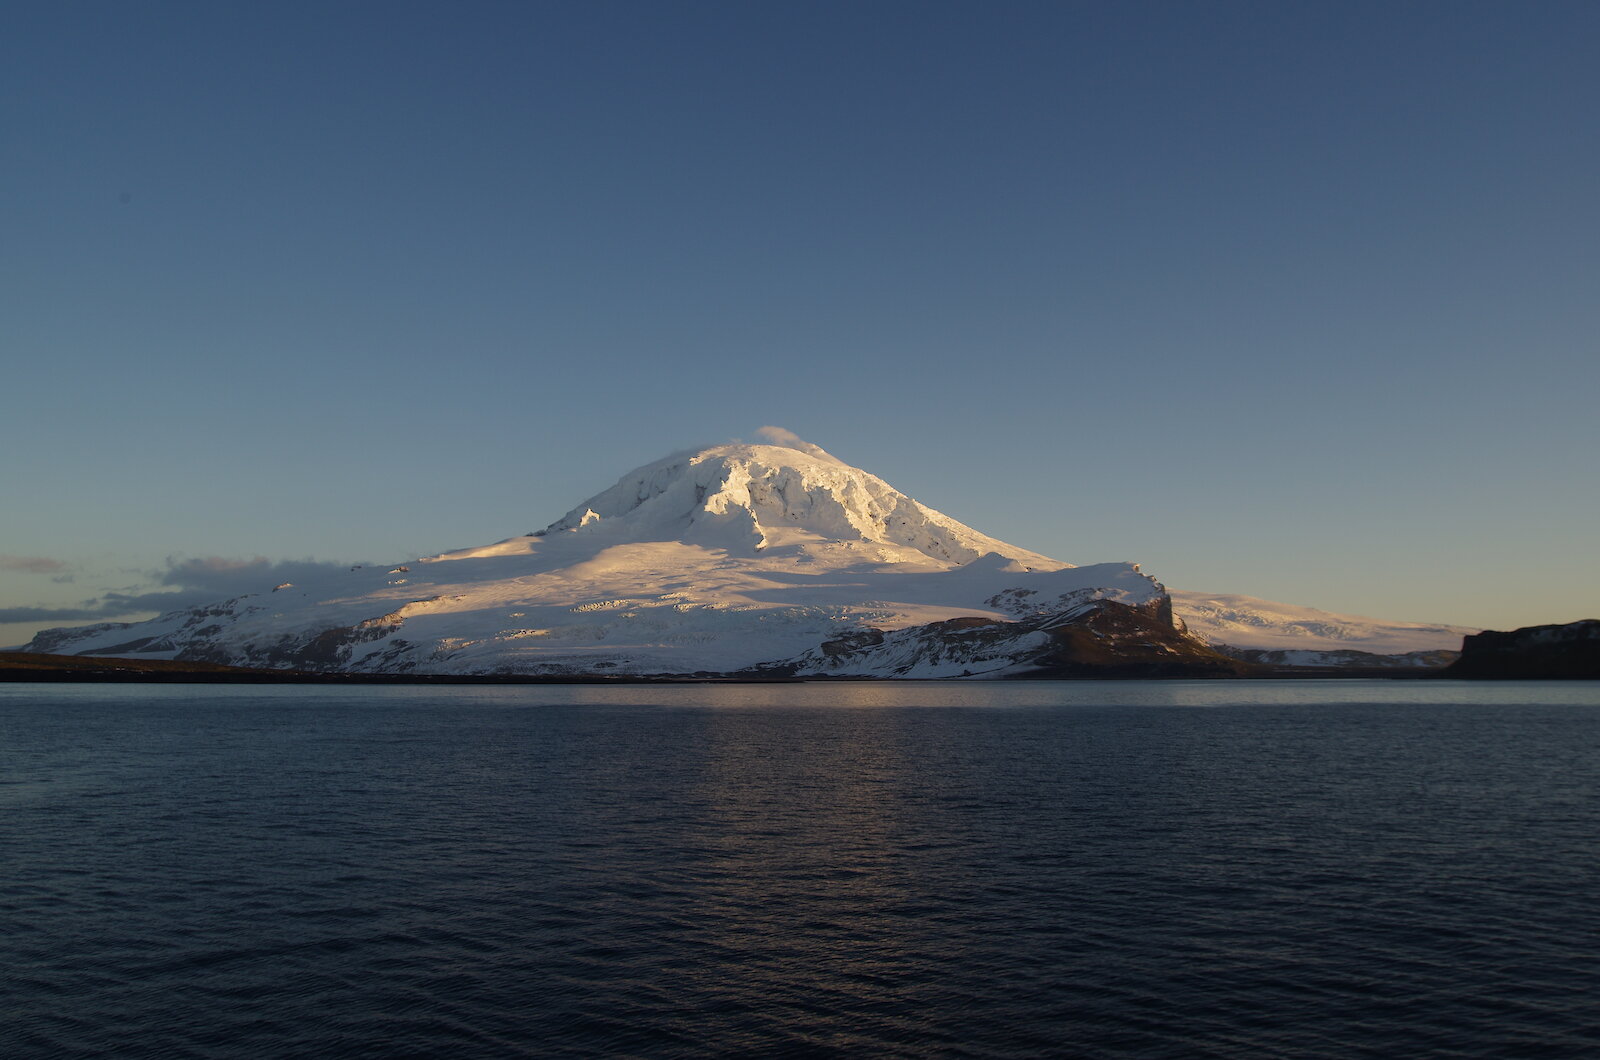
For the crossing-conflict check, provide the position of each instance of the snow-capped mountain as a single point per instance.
(774, 559)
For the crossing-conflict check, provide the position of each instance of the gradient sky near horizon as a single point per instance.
(1300, 301)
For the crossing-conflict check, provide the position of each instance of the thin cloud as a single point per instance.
(209, 579)
(33, 564)
(51, 614)
(183, 583)
(789, 440)
(781, 436)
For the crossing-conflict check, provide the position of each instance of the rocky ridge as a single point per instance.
(1570, 650)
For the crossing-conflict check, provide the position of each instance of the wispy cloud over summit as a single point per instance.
(790, 440)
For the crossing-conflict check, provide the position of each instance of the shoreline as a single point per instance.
(26, 667)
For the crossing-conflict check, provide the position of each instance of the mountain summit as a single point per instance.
(746, 499)
(745, 560)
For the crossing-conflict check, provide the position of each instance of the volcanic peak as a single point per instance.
(747, 498)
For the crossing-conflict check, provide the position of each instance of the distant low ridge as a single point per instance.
(743, 561)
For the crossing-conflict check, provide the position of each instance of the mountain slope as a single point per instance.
(733, 559)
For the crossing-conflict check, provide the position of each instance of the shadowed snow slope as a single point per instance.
(733, 557)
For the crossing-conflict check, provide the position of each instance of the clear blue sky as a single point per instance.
(1294, 300)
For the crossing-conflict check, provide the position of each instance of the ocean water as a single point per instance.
(1174, 869)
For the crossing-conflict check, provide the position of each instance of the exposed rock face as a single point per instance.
(1116, 640)
(1346, 659)
(327, 650)
(1094, 638)
(1570, 650)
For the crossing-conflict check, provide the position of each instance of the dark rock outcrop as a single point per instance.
(1344, 659)
(1570, 650)
(1115, 640)
(1099, 639)
(328, 650)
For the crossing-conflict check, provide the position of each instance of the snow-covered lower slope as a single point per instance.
(1305, 636)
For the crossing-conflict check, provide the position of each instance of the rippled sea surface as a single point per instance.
(1255, 869)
